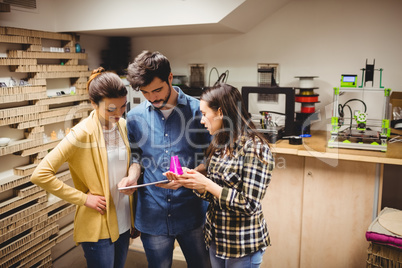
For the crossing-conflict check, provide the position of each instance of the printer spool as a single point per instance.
(307, 98)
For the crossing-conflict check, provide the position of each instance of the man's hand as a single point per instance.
(125, 182)
(170, 185)
(96, 202)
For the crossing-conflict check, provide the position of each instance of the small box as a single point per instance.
(349, 80)
(396, 101)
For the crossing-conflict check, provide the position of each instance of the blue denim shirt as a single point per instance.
(154, 139)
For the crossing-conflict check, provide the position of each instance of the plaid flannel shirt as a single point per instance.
(235, 222)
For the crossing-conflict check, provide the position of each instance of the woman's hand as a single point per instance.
(173, 185)
(171, 176)
(194, 180)
(96, 202)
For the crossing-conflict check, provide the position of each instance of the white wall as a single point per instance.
(324, 38)
(42, 18)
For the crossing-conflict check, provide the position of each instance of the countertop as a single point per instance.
(316, 146)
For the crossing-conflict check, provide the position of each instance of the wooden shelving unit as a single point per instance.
(29, 217)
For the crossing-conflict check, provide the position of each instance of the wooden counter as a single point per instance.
(316, 146)
(321, 201)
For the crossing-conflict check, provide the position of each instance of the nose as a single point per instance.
(152, 97)
(117, 113)
(121, 111)
(204, 121)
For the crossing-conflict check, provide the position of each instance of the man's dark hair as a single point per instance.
(146, 67)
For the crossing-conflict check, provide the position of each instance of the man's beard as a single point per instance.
(165, 101)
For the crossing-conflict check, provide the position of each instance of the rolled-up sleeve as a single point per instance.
(45, 173)
(255, 174)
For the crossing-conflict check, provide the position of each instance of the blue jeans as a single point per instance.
(159, 249)
(252, 260)
(105, 254)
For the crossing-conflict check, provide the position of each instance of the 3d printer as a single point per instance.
(358, 134)
(271, 131)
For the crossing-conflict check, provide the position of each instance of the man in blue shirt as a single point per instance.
(167, 124)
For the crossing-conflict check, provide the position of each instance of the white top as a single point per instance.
(167, 112)
(117, 167)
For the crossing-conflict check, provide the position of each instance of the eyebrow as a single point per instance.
(114, 108)
(159, 88)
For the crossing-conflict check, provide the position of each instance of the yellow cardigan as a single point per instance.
(85, 151)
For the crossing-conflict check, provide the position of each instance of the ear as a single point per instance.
(170, 78)
(94, 105)
(220, 113)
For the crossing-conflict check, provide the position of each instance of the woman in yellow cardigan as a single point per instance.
(98, 154)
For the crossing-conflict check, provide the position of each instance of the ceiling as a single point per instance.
(238, 19)
(133, 18)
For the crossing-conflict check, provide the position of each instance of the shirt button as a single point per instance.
(166, 151)
(166, 134)
(163, 118)
(169, 200)
(168, 215)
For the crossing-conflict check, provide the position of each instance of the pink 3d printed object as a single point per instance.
(175, 166)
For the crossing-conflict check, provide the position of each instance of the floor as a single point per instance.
(136, 257)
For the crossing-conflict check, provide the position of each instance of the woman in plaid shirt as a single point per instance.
(240, 164)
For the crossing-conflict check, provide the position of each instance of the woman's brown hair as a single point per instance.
(236, 119)
(102, 84)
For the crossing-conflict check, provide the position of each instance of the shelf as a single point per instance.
(17, 146)
(22, 215)
(23, 110)
(18, 201)
(9, 233)
(22, 54)
(11, 182)
(15, 181)
(43, 147)
(4, 91)
(64, 233)
(20, 40)
(62, 118)
(48, 75)
(22, 93)
(49, 68)
(19, 250)
(26, 125)
(37, 82)
(62, 99)
(29, 225)
(57, 112)
(40, 34)
(7, 61)
(24, 170)
(24, 97)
